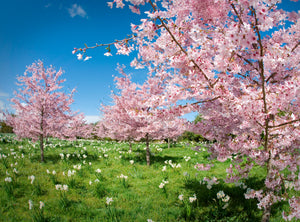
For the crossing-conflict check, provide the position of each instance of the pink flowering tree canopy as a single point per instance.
(237, 63)
(42, 108)
(77, 127)
(139, 112)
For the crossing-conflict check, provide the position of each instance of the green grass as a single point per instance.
(137, 198)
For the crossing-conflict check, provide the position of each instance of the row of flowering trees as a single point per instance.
(43, 111)
(237, 63)
(234, 61)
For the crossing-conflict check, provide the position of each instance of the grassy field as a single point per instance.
(105, 181)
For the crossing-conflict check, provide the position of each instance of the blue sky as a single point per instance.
(49, 30)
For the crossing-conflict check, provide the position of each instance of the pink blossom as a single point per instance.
(107, 54)
(202, 167)
(134, 9)
(87, 58)
(79, 56)
(295, 209)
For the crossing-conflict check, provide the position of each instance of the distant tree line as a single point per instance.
(4, 128)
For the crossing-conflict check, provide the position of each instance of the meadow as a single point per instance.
(91, 180)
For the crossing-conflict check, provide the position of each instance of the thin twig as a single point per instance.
(107, 44)
(203, 101)
(247, 60)
(296, 46)
(271, 76)
(237, 14)
(286, 123)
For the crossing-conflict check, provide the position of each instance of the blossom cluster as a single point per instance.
(8, 179)
(70, 173)
(30, 203)
(63, 187)
(122, 177)
(221, 195)
(193, 198)
(31, 178)
(186, 158)
(53, 172)
(173, 165)
(209, 182)
(95, 181)
(202, 167)
(163, 183)
(109, 200)
(77, 167)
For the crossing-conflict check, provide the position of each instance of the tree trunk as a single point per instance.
(266, 215)
(42, 147)
(168, 143)
(147, 150)
(267, 211)
(42, 135)
(130, 146)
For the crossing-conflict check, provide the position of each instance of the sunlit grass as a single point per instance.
(92, 171)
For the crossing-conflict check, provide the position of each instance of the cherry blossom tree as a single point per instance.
(237, 62)
(138, 112)
(129, 116)
(173, 128)
(42, 108)
(77, 128)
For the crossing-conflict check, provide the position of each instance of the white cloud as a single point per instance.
(77, 10)
(3, 97)
(92, 119)
(1, 105)
(48, 5)
(3, 94)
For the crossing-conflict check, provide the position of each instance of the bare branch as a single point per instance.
(106, 44)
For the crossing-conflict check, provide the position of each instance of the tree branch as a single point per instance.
(179, 45)
(237, 14)
(262, 76)
(203, 101)
(286, 123)
(247, 60)
(296, 46)
(271, 76)
(106, 44)
(257, 83)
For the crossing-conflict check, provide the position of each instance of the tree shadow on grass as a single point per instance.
(48, 158)
(161, 159)
(239, 208)
(210, 208)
